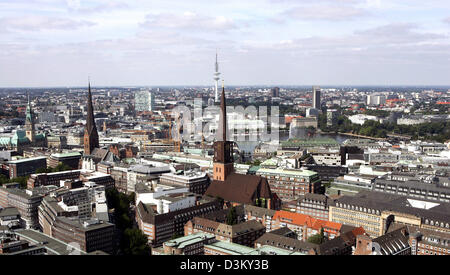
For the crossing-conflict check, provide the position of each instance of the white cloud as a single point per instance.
(325, 12)
(188, 21)
(104, 6)
(174, 42)
(38, 23)
(73, 4)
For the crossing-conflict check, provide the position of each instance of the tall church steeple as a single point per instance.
(223, 150)
(29, 122)
(91, 139)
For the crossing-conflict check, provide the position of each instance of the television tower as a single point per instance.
(216, 79)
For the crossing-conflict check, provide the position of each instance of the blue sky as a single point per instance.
(270, 42)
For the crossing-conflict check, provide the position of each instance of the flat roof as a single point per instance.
(305, 173)
(9, 211)
(272, 250)
(53, 246)
(190, 239)
(230, 248)
(66, 155)
(26, 160)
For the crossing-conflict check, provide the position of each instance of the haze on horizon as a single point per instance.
(48, 43)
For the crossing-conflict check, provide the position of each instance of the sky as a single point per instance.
(45, 43)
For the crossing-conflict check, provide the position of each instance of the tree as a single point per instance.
(256, 162)
(317, 238)
(121, 204)
(134, 242)
(61, 167)
(132, 197)
(232, 216)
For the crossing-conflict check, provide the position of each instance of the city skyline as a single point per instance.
(273, 42)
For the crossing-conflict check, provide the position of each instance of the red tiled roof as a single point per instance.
(359, 231)
(302, 219)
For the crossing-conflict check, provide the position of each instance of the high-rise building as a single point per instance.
(316, 97)
(376, 99)
(216, 80)
(275, 92)
(91, 140)
(144, 101)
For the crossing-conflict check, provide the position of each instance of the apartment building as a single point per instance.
(291, 184)
(244, 233)
(26, 202)
(322, 156)
(283, 242)
(160, 227)
(314, 205)
(376, 211)
(260, 214)
(45, 179)
(306, 226)
(119, 174)
(197, 182)
(63, 224)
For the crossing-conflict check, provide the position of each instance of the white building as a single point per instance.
(330, 157)
(410, 121)
(166, 198)
(312, 112)
(360, 118)
(376, 99)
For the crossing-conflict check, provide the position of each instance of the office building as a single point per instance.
(160, 227)
(26, 166)
(91, 234)
(290, 184)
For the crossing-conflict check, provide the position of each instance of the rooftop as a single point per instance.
(26, 160)
(190, 239)
(230, 248)
(53, 246)
(304, 173)
(9, 211)
(67, 155)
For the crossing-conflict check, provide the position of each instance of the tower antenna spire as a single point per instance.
(216, 80)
